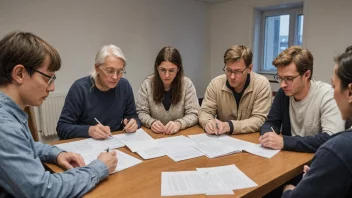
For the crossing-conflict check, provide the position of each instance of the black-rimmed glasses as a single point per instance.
(51, 78)
(229, 71)
(288, 80)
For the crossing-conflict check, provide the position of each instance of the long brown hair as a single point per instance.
(172, 55)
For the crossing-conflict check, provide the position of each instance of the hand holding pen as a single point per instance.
(109, 158)
(130, 125)
(99, 131)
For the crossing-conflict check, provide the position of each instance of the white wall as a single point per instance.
(327, 30)
(140, 27)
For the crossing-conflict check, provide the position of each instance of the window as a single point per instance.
(278, 29)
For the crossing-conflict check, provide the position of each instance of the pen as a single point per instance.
(273, 129)
(101, 124)
(107, 150)
(216, 125)
(128, 119)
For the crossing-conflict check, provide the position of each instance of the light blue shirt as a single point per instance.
(21, 171)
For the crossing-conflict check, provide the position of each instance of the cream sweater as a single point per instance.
(185, 112)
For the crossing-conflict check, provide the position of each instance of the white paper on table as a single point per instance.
(124, 160)
(230, 176)
(187, 183)
(175, 140)
(204, 137)
(141, 145)
(258, 149)
(235, 143)
(139, 135)
(137, 141)
(151, 153)
(110, 143)
(179, 152)
(215, 148)
(90, 145)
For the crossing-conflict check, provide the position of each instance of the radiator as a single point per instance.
(49, 113)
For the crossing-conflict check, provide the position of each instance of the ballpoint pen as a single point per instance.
(128, 119)
(101, 124)
(273, 129)
(216, 125)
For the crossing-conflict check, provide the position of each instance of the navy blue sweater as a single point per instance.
(84, 102)
(330, 173)
(279, 117)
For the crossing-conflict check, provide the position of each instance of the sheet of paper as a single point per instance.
(90, 145)
(230, 176)
(215, 148)
(235, 143)
(258, 149)
(137, 141)
(204, 137)
(175, 140)
(124, 160)
(187, 183)
(179, 152)
(151, 153)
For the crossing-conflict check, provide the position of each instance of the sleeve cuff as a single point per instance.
(100, 169)
(289, 143)
(53, 153)
(231, 127)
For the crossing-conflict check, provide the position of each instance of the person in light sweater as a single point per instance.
(167, 100)
(334, 180)
(304, 110)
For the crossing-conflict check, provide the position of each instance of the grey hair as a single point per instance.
(105, 51)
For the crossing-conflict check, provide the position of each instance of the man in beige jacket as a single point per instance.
(237, 101)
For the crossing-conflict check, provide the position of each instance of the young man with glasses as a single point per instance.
(237, 101)
(27, 73)
(304, 110)
(100, 103)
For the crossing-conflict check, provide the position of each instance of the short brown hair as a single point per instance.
(302, 58)
(27, 49)
(236, 52)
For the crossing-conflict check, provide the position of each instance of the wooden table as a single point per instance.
(144, 179)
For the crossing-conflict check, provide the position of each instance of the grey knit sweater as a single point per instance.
(185, 112)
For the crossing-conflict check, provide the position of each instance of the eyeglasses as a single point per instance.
(112, 72)
(229, 71)
(288, 80)
(51, 78)
(163, 71)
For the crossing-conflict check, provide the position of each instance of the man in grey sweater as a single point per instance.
(304, 109)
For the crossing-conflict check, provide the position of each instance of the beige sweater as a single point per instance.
(253, 108)
(185, 112)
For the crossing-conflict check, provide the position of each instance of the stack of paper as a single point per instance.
(249, 147)
(214, 149)
(210, 181)
(178, 148)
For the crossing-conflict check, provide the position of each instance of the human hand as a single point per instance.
(69, 160)
(99, 131)
(158, 127)
(130, 125)
(109, 159)
(172, 127)
(272, 140)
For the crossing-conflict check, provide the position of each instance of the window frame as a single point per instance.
(294, 13)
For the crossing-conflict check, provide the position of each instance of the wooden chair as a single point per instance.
(32, 123)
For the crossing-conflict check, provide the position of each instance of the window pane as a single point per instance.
(276, 38)
(299, 32)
